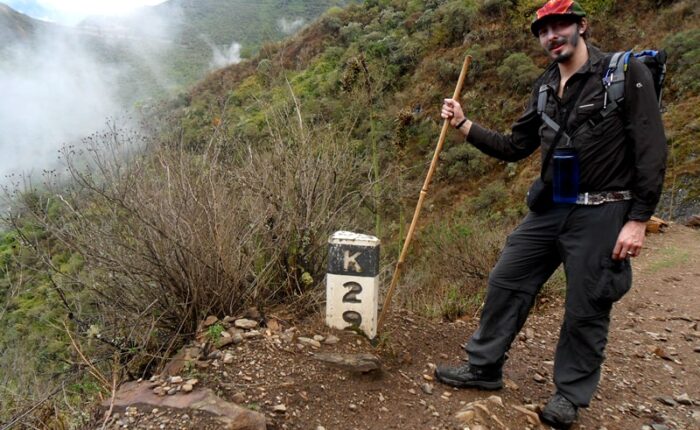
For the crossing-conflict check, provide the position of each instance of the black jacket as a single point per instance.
(626, 151)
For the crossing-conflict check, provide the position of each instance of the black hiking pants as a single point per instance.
(582, 238)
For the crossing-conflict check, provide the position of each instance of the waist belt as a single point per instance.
(602, 197)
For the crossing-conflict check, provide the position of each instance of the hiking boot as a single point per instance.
(467, 376)
(559, 413)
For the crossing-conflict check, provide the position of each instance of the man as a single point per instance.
(620, 166)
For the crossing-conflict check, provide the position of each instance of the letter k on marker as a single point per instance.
(349, 260)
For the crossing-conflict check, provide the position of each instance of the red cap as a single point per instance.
(557, 8)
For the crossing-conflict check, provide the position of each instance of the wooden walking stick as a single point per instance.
(421, 198)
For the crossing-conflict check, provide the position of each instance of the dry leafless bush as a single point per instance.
(169, 236)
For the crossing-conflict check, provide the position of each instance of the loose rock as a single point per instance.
(211, 320)
(684, 399)
(668, 401)
(331, 340)
(245, 324)
(310, 342)
(353, 362)
(252, 334)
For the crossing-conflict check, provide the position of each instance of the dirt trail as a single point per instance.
(653, 363)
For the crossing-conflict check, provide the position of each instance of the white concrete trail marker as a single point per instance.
(352, 282)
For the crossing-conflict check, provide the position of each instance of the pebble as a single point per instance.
(331, 340)
(352, 406)
(281, 408)
(252, 334)
(667, 401)
(308, 341)
(427, 388)
(238, 397)
(187, 388)
(319, 338)
(511, 385)
(211, 320)
(228, 358)
(465, 417)
(245, 324)
(176, 379)
(684, 399)
(496, 400)
(539, 378)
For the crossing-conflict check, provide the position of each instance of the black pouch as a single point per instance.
(540, 196)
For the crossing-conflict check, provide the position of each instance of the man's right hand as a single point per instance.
(452, 111)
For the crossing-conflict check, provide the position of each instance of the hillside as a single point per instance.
(164, 48)
(227, 198)
(14, 26)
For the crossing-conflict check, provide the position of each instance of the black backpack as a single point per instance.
(613, 80)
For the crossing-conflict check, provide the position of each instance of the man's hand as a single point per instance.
(630, 240)
(452, 111)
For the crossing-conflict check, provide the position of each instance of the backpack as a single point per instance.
(613, 80)
(614, 83)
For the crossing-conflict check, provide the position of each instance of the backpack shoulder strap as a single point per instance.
(542, 103)
(614, 81)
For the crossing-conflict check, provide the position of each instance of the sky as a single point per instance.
(71, 12)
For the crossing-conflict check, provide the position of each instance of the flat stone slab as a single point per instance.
(232, 416)
(353, 362)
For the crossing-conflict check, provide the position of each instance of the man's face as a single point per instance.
(559, 38)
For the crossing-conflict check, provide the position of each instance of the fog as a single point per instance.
(64, 84)
(225, 58)
(52, 94)
(290, 26)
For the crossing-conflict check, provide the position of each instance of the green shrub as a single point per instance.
(463, 161)
(518, 72)
(452, 22)
(684, 59)
(491, 199)
(214, 332)
(496, 7)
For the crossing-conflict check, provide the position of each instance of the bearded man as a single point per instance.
(603, 164)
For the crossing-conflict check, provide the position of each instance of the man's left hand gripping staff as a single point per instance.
(452, 111)
(630, 240)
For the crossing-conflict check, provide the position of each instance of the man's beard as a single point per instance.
(573, 41)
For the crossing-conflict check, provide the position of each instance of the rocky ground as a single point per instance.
(279, 376)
